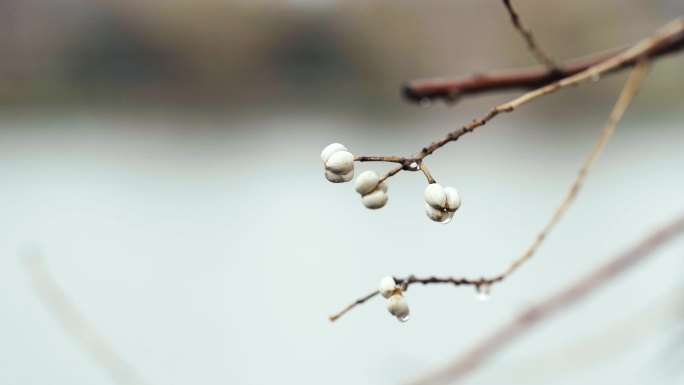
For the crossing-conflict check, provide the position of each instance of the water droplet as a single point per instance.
(425, 102)
(483, 292)
(595, 77)
(448, 216)
(404, 318)
(414, 166)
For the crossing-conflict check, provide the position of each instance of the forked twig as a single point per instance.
(554, 304)
(663, 37)
(626, 96)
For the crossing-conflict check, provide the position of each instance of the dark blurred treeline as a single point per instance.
(237, 53)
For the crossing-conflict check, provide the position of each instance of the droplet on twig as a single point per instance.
(414, 166)
(595, 77)
(483, 291)
(425, 102)
(404, 318)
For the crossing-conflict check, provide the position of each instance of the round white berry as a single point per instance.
(435, 196)
(337, 178)
(331, 149)
(453, 201)
(366, 182)
(398, 307)
(436, 215)
(340, 162)
(387, 287)
(375, 200)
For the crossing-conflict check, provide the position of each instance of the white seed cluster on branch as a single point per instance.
(441, 202)
(339, 163)
(373, 193)
(396, 303)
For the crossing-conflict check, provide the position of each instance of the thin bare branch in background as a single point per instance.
(60, 306)
(554, 304)
(626, 95)
(599, 346)
(532, 44)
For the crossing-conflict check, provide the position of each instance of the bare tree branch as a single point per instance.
(96, 347)
(451, 88)
(555, 304)
(623, 102)
(663, 37)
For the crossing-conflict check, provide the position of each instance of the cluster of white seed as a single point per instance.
(441, 202)
(396, 304)
(373, 192)
(339, 163)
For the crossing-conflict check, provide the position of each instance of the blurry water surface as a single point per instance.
(212, 250)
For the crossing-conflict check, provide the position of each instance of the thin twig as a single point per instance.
(623, 102)
(425, 171)
(532, 45)
(554, 304)
(390, 159)
(352, 305)
(626, 96)
(673, 31)
(65, 312)
(451, 88)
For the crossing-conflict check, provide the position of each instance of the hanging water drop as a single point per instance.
(425, 102)
(483, 292)
(404, 318)
(448, 216)
(414, 166)
(595, 77)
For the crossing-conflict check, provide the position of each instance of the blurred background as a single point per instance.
(163, 157)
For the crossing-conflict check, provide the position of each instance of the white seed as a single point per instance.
(453, 198)
(436, 214)
(367, 182)
(337, 178)
(435, 196)
(387, 287)
(340, 162)
(375, 200)
(397, 306)
(331, 149)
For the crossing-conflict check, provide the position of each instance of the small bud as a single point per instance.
(387, 287)
(375, 200)
(340, 162)
(398, 307)
(453, 201)
(337, 178)
(435, 196)
(367, 182)
(331, 149)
